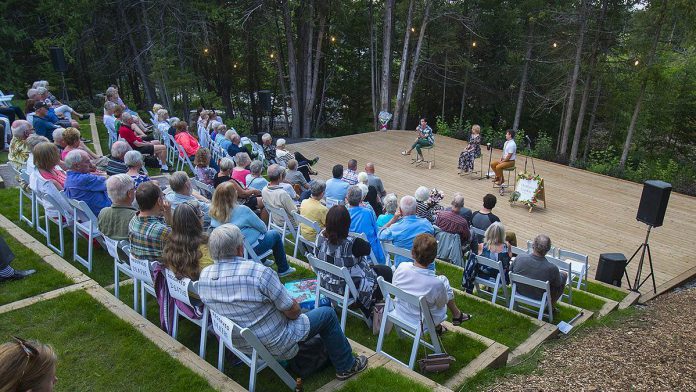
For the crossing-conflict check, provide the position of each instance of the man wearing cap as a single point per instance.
(42, 123)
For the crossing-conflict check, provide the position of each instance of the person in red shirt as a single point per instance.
(186, 140)
(145, 145)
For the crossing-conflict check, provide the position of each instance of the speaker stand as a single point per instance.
(642, 248)
(66, 100)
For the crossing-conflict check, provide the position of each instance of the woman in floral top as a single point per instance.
(204, 173)
(472, 151)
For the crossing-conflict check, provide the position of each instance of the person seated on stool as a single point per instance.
(508, 158)
(425, 139)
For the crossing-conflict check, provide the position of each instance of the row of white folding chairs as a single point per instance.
(579, 263)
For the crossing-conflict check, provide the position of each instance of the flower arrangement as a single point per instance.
(540, 187)
(433, 202)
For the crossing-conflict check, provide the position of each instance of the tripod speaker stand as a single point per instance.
(642, 248)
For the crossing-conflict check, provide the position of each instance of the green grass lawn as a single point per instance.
(453, 273)
(102, 263)
(382, 380)
(189, 335)
(583, 300)
(606, 292)
(45, 279)
(96, 350)
(462, 347)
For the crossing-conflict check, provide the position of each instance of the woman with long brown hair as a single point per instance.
(27, 366)
(186, 252)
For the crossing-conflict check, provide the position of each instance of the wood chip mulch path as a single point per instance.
(652, 350)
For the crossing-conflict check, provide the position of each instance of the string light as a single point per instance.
(413, 29)
(636, 63)
(272, 55)
(235, 66)
(333, 39)
(205, 50)
(555, 45)
(473, 44)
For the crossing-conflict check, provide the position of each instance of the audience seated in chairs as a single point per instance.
(182, 192)
(186, 250)
(47, 161)
(404, 226)
(33, 141)
(19, 151)
(535, 266)
(269, 150)
(114, 220)
(148, 231)
(186, 140)
(134, 162)
(81, 184)
(109, 118)
(463, 211)
(240, 170)
(71, 141)
(249, 197)
(496, 248)
(372, 196)
(451, 221)
(294, 177)
(232, 146)
(37, 362)
(424, 209)
(484, 217)
(163, 123)
(374, 180)
(362, 220)
(224, 209)
(116, 164)
(419, 279)
(336, 247)
(312, 208)
(283, 156)
(45, 121)
(43, 93)
(146, 144)
(391, 204)
(350, 175)
(204, 173)
(253, 296)
(275, 196)
(58, 139)
(254, 180)
(335, 187)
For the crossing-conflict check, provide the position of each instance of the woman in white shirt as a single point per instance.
(415, 278)
(508, 158)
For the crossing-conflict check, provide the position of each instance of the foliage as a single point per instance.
(443, 128)
(241, 125)
(543, 147)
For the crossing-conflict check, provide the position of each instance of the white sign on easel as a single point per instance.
(529, 190)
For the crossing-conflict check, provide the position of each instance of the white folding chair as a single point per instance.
(250, 253)
(330, 202)
(345, 299)
(7, 132)
(180, 289)
(31, 219)
(552, 252)
(85, 224)
(142, 275)
(579, 265)
(121, 266)
(404, 326)
(204, 189)
(495, 283)
(54, 212)
(259, 358)
(363, 237)
(544, 305)
(518, 251)
(299, 238)
(287, 230)
(391, 251)
(113, 134)
(566, 267)
(478, 232)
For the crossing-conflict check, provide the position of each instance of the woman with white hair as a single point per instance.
(422, 211)
(495, 247)
(19, 152)
(269, 150)
(163, 121)
(240, 170)
(254, 179)
(391, 203)
(283, 156)
(134, 161)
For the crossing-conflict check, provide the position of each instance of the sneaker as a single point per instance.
(314, 161)
(85, 140)
(287, 272)
(268, 263)
(359, 365)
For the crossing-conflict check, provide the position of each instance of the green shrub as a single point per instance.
(442, 127)
(241, 125)
(543, 148)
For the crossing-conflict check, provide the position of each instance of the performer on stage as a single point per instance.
(508, 158)
(467, 157)
(425, 139)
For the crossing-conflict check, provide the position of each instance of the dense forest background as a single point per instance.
(606, 85)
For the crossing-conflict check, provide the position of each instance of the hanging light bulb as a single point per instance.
(205, 50)
(333, 39)
(413, 29)
(636, 63)
(473, 44)
(555, 44)
(272, 55)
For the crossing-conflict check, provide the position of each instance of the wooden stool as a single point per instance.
(503, 187)
(431, 162)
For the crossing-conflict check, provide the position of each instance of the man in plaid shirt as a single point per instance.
(252, 296)
(148, 230)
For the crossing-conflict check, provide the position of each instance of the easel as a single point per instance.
(540, 197)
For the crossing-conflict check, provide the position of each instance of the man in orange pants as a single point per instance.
(508, 158)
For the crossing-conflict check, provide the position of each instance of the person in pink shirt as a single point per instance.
(186, 140)
(46, 159)
(240, 170)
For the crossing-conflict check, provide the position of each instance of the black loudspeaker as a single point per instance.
(265, 100)
(610, 268)
(653, 202)
(58, 59)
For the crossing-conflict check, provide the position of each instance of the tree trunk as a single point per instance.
(643, 85)
(444, 90)
(574, 80)
(139, 66)
(404, 62)
(373, 71)
(312, 78)
(463, 103)
(414, 64)
(386, 54)
(593, 116)
(525, 77)
(292, 72)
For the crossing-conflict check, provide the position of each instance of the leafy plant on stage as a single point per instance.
(443, 128)
(535, 198)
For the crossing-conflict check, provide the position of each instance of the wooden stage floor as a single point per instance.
(586, 212)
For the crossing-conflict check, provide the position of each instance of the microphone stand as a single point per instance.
(528, 155)
(490, 159)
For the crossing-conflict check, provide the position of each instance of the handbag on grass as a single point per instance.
(435, 363)
(377, 315)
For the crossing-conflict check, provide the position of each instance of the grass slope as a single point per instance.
(382, 380)
(45, 279)
(96, 350)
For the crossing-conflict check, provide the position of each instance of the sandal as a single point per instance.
(462, 317)
(405, 153)
(440, 330)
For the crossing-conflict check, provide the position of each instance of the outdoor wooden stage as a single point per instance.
(586, 212)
